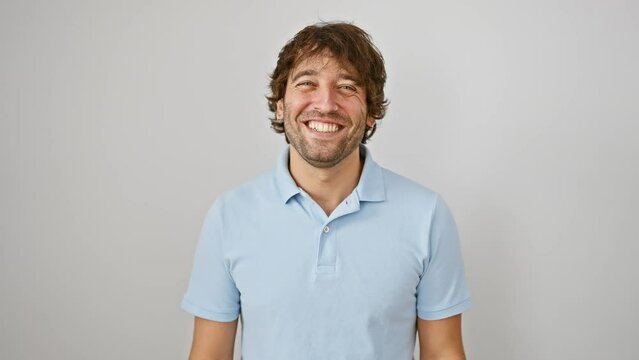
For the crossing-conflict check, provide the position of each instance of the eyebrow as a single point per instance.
(352, 78)
(310, 72)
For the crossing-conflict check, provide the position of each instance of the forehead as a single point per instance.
(324, 62)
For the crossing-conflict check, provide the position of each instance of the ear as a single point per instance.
(279, 112)
(370, 121)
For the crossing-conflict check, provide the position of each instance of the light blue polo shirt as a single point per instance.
(314, 287)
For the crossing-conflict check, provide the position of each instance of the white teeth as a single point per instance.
(322, 127)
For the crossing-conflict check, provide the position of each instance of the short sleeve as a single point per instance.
(442, 291)
(212, 293)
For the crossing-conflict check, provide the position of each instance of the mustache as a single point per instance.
(333, 115)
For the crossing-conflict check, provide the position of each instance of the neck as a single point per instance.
(327, 186)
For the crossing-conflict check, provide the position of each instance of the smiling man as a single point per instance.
(329, 256)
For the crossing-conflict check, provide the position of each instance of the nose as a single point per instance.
(326, 100)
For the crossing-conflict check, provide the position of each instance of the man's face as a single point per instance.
(324, 111)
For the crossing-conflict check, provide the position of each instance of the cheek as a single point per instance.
(295, 106)
(357, 106)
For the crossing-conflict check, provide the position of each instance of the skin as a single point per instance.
(213, 340)
(327, 166)
(440, 339)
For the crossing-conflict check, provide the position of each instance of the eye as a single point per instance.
(348, 88)
(304, 84)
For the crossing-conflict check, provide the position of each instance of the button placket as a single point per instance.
(327, 251)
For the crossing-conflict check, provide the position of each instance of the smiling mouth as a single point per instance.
(323, 127)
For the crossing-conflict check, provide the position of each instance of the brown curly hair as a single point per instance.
(350, 45)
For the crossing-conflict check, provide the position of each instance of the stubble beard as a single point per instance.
(315, 154)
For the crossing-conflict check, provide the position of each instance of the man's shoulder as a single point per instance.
(400, 185)
(251, 192)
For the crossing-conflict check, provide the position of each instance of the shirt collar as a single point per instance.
(283, 179)
(371, 182)
(370, 187)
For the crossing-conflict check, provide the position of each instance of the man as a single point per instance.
(329, 256)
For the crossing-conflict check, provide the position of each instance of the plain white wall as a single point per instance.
(121, 121)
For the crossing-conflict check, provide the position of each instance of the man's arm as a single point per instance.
(213, 340)
(440, 339)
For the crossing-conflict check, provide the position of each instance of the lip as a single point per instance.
(323, 135)
(326, 121)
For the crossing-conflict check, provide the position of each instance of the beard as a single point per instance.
(323, 153)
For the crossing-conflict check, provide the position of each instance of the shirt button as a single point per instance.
(326, 229)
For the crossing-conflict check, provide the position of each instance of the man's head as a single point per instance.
(350, 46)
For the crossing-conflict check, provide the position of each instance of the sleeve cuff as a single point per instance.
(447, 312)
(222, 316)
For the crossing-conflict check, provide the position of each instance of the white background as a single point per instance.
(121, 121)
